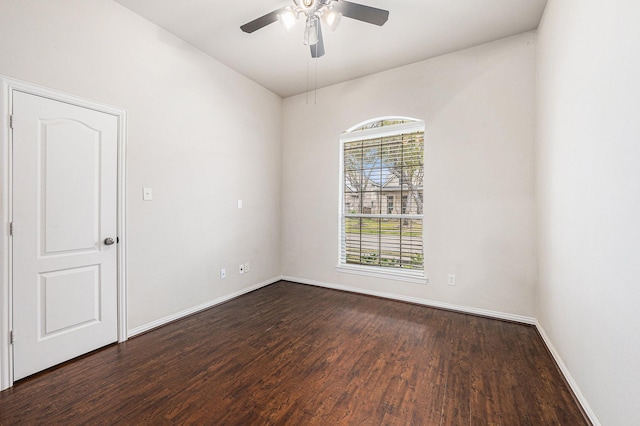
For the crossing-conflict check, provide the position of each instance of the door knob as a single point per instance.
(108, 241)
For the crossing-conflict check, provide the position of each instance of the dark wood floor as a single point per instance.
(295, 354)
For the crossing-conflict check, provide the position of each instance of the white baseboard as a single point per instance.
(162, 321)
(565, 372)
(418, 301)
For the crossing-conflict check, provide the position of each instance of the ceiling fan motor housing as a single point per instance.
(310, 7)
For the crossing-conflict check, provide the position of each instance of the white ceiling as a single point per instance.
(416, 30)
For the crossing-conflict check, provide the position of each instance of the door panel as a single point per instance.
(61, 140)
(78, 287)
(64, 206)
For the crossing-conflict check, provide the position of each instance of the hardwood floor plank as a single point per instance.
(296, 354)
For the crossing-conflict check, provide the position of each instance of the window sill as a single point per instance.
(417, 277)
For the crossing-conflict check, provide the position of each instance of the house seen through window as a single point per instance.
(381, 207)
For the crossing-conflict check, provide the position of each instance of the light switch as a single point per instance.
(147, 194)
(239, 204)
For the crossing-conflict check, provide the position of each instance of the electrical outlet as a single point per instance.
(246, 267)
(452, 279)
(223, 274)
(241, 269)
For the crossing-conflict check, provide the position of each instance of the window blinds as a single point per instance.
(382, 209)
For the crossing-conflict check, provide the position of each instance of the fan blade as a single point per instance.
(262, 21)
(317, 50)
(361, 12)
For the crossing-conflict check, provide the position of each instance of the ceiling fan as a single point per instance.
(328, 11)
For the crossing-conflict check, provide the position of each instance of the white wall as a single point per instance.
(588, 164)
(478, 108)
(201, 135)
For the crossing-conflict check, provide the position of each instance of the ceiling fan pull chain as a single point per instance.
(308, 60)
(315, 83)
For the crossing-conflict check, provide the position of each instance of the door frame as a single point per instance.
(7, 87)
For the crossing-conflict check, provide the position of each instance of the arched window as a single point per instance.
(381, 199)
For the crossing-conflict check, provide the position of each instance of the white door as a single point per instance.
(64, 208)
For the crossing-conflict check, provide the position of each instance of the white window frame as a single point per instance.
(352, 135)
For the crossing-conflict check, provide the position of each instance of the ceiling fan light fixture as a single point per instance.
(311, 31)
(331, 18)
(287, 18)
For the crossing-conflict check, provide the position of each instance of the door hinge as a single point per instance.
(11, 121)
(12, 337)
(10, 228)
